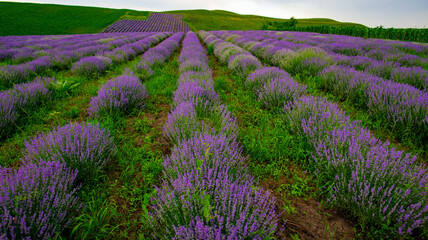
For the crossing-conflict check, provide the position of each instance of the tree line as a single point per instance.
(402, 34)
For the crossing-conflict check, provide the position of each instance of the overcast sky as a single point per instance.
(372, 13)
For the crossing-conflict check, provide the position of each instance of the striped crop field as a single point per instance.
(149, 130)
(157, 22)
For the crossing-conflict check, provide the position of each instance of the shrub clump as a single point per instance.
(120, 95)
(37, 201)
(91, 66)
(82, 146)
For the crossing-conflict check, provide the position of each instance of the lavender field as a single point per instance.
(152, 131)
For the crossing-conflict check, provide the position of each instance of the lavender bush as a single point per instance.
(8, 113)
(380, 185)
(10, 75)
(308, 61)
(120, 95)
(214, 156)
(82, 146)
(402, 107)
(143, 70)
(223, 209)
(382, 69)
(276, 93)
(384, 187)
(202, 96)
(263, 76)
(31, 94)
(415, 76)
(182, 123)
(37, 201)
(347, 83)
(91, 66)
(244, 65)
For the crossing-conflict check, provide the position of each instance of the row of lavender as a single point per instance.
(63, 57)
(39, 199)
(15, 103)
(380, 185)
(206, 192)
(157, 22)
(382, 59)
(18, 49)
(401, 107)
(407, 53)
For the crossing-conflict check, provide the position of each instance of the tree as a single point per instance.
(292, 22)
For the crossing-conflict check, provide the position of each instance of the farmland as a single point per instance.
(150, 130)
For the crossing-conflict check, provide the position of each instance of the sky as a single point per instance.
(372, 13)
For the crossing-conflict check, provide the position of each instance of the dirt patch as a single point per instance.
(306, 217)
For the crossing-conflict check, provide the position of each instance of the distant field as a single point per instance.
(45, 19)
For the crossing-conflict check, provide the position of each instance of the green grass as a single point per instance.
(52, 19)
(47, 19)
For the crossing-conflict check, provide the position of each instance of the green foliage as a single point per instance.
(402, 34)
(94, 223)
(280, 26)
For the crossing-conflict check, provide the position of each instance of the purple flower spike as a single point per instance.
(91, 66)
(244, 65)
(37, 201)
(85, 147)
(265, 75)
(277, 92)
(119, 95)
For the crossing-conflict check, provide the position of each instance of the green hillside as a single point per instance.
(225, 20)
(45, 19)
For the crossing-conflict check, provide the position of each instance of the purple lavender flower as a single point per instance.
(264, 75)
(31, 94)
(37, 201)
(382, 69)
(244, 65)
(8, 113)
(279, 91)
(181, 122)
(23, 55)
(119, 95)
(85, 147)
(415, 76)
(143, 70)
(194, 92)
(236, 210)
(91, 66)
(10, 75)
(214, 156)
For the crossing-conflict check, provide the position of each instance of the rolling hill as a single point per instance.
(37, 19)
